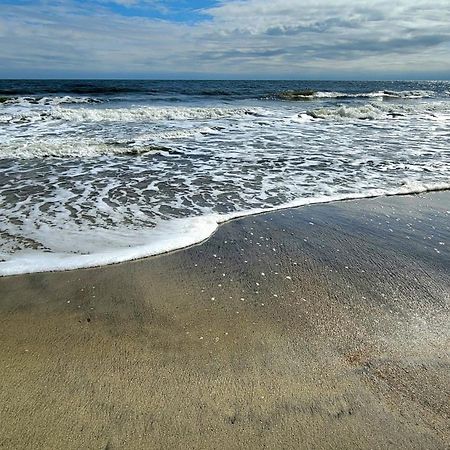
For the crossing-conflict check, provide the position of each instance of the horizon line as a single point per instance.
(225, 79)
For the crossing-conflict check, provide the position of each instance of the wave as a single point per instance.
(46, 149)
(215, 92)
(81, 89)
(362, 112)
(130, 114)
(168, 235)
(47, 101)
(153, 113)
(303, 95)
(140, 145)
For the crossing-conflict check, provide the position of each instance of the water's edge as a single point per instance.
(60, 263)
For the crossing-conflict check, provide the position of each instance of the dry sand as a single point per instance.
(320, 327)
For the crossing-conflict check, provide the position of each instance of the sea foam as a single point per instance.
(114, 246)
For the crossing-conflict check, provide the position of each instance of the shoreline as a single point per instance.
(213, 222)
(314, 327)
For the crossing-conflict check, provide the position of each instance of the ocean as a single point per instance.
(98, 172)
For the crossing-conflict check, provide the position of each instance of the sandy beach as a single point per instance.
(321, 327)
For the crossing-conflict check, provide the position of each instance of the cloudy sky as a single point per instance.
(300, 39)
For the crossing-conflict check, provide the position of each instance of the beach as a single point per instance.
(324, 326)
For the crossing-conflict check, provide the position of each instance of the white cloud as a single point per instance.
(254, 37)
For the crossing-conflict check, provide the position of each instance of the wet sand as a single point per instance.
(320, 327)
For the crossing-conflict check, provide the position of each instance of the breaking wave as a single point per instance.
(371, 111)
(317, 95)
(129, 114)
(46, 149)
(139, 145)
(153, 113)
(47, 101)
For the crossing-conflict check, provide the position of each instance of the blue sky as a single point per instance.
(290, 39)
(177, 11)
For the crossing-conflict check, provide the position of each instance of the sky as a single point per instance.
(228, 39)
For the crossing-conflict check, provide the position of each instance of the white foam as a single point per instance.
(45, 149)
(109, 246)
(369, 111)
(61, 146)
(386, 94)
(51, 101)
(152, 113)
(165, 237)
(409, 188)
(414, 94)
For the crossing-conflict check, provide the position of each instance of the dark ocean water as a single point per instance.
(94, 172)
(180, 90)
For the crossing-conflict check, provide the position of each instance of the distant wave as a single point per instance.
(74, 89)
(304, 95)
(52, 101)
(215, 92)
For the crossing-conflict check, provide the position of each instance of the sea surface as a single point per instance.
(97, 172)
